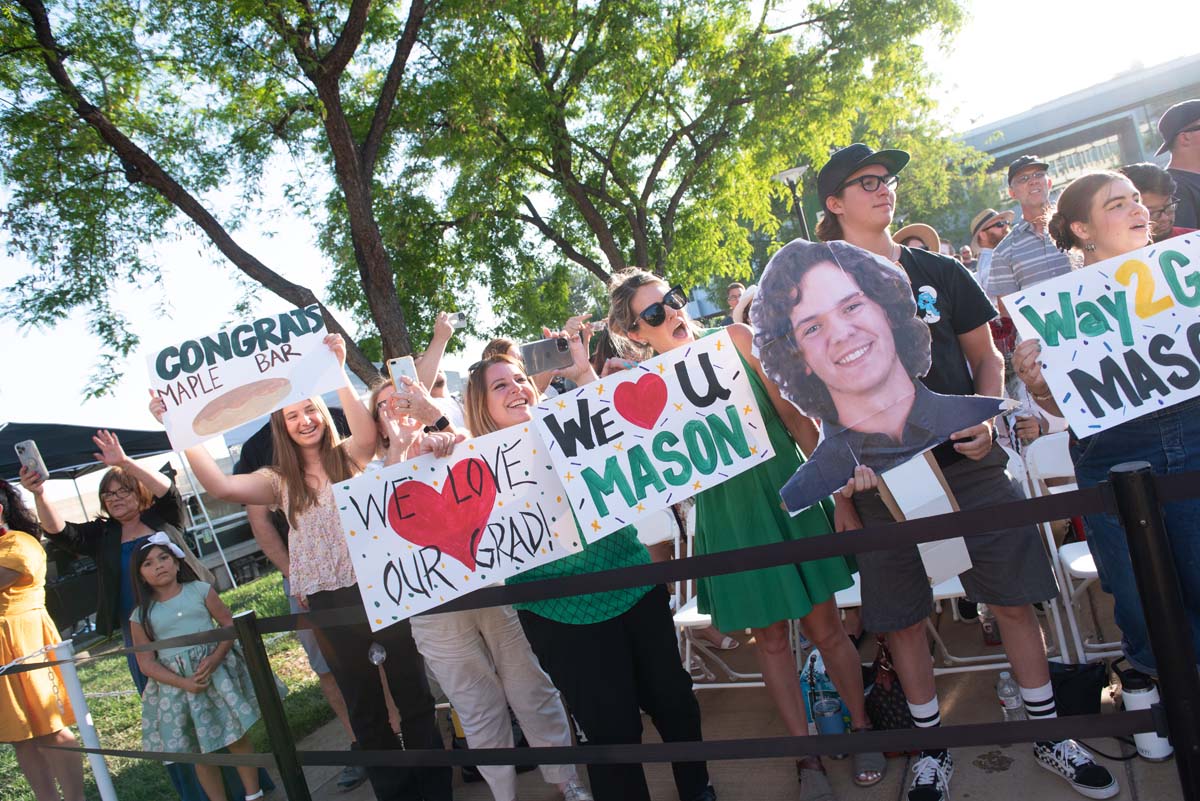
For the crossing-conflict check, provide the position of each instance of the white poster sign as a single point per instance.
(214, 383)
(428, 530)
(642, 439)
(1120, 338)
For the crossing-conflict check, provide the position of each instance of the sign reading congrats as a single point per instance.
(643, 439)
(427, 530)
(220, 381)
(1121, 338)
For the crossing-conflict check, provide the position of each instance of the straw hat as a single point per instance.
(921, 231)
(982, 220)
(741, 312)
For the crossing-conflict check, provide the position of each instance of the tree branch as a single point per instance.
(563, 243)
(391, 85)
(142, 167)
(335, 61)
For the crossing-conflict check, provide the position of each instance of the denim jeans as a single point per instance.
(1170, 441)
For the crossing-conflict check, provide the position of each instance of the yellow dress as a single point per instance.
(33, 703)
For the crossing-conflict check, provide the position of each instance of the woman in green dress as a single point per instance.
(746, 511)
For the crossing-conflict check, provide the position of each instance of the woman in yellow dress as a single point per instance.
(34, 710)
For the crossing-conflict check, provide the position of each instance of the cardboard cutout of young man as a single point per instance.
(838, 331)
(1010, 570)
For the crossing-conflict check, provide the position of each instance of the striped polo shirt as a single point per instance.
(1022, 259)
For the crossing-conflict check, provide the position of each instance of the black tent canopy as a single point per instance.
(67, 449)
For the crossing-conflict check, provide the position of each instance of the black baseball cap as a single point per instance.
(1174, 120)
(1023, 162)
(845, 162)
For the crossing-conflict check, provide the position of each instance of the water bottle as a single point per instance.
(989, 626)
(1010, 697)
(1139, 692)
(376, 653)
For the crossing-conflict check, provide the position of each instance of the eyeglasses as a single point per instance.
(871, 183)
(1025, 178)
(1166, 211)
(122, 494)
(997, 224)
(656, 313)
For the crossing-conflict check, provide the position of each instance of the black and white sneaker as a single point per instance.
(1074, 763)
(932, 779)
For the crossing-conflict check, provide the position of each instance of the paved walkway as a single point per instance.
(981, 774)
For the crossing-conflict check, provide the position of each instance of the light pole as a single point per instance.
(793, 178)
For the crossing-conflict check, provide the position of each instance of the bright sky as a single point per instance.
(1009, 56)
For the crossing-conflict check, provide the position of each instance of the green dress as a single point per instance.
(746, 511)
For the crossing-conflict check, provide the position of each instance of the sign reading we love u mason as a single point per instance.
(638, 441)
(427, 530)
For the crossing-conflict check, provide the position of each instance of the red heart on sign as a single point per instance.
(641, 402)
(451, 520)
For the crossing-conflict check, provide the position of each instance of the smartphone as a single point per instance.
(457, 319)
(31, 457)
(545, 355)
(403, 365)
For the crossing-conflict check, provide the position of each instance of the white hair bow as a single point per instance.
(161, 538)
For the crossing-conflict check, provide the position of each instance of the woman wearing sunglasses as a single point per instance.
(745, 511)
(611, 654)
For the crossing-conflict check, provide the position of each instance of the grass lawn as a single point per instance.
(119, 718)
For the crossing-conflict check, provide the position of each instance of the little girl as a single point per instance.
(199, 698)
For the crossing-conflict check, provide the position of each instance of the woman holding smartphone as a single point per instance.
(745, 511)
(612, 654)
(309, 456)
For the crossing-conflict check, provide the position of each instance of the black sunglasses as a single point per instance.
(656, 313)
(997, 224)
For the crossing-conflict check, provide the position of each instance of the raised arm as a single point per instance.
(253, 488)
(52, 522)
(428, 364)
(112, 454)
(362, 427)
(802, 428)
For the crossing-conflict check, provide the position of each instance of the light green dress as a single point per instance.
(176, 720)
(746, 511)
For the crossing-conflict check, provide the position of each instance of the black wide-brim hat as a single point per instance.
(852, 158)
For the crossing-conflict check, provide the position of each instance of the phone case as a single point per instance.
(544, 355)
(31, 457)
(403, 365)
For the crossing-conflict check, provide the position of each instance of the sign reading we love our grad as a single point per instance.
(428, 530)
(214, 383)
(640, 440)
(1120, 338)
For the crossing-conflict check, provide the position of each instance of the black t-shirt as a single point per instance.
(259, 451)
(1187, 213)
(951, 303)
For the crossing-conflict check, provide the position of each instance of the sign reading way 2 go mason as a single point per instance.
(643, 439)
(1120, 338)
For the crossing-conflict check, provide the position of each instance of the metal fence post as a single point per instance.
(283, 746)
(1166, 622)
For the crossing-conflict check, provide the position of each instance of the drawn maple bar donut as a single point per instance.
(240, 405)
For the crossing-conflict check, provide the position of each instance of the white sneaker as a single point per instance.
(932, 779)
(1073, 762)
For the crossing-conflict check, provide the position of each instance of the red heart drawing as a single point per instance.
(641, 402)
(451, 520)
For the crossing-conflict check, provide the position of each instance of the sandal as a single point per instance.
(814, 784)
(869, 766)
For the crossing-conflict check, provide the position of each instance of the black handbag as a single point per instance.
(887, 707)
(1078, 688)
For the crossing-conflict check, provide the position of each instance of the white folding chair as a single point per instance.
(700, 659)
(1048, 460)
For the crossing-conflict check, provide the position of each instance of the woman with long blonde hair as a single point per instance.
(611, 654)
(309, 457)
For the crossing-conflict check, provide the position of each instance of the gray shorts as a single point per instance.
(1009, 567)
(308, 640)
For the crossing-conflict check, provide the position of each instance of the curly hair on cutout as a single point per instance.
(779, 292)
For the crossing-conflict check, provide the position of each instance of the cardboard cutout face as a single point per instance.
(837, 331)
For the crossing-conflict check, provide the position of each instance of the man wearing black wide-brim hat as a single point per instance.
(1180, 129)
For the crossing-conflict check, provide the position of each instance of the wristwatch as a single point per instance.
(441, 424)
